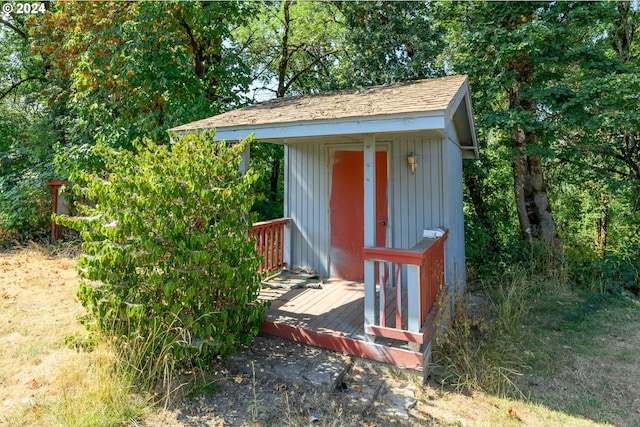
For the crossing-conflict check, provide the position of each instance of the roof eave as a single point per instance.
(278, 132)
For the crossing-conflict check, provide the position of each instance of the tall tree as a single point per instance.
(600, 143)
(293, 46)
(136, 69)
(389, 42)
(28, 130)
(517, 54)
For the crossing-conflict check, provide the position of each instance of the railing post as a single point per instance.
(413, 301)
(369, 297)
(369, 230)
(286, 243)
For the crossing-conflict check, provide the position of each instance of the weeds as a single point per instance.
(98, 392)
(254, 404)
(147, 357)
(526, 304)
(476, 360)
(482, 349)
(91, 391)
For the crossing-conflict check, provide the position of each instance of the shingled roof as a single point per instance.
(428, 104)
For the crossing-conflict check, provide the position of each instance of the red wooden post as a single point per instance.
(56, 230)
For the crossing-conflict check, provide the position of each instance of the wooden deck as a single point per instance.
(333, 318)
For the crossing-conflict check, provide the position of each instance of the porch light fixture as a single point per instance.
(411, 161)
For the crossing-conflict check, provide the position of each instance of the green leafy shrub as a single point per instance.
(166, 250)
(25, 208)
(611, 273)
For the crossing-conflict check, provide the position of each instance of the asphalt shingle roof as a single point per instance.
(420, 96)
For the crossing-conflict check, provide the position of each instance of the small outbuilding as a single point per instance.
(374, 204)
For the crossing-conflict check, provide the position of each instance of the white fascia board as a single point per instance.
(470, 153)
(458, 98)
(464, 95)
(472, 123)
(315, 128)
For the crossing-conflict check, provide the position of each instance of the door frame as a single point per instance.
(330, 148)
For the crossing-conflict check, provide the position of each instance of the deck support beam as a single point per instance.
(369, 230)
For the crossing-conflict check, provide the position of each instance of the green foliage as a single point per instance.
(133, 70)
(26, 133)
(294, 47)
(25, 166)
(167, 257)
(566, 74)
(391, 41)
(491, 221)
(25, 208)
(81, 342)
(270, 185)
(611, 274)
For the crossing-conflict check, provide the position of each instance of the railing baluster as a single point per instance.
(398, 286)
(382, 290)
(281, 245)
(269, 243)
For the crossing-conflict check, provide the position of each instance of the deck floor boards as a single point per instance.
(332, 317)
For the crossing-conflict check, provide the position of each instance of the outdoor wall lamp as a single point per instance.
(411, 161)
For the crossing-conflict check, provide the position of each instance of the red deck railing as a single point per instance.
(424, 267)
(269, 238)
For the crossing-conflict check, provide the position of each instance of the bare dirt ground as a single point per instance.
(276, 382)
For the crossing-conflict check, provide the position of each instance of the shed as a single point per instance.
(374, 203)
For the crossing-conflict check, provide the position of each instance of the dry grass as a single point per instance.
(33, 286)
(42, 382)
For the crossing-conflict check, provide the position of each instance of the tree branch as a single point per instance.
(612, 170)
(14, 28)
(16, 85)
(308, 66)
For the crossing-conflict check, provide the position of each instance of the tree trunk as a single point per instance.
(273, 180)
(283, 67)
(532, 203)
(601, 224)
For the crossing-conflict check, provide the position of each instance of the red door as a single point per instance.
(347, 212)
